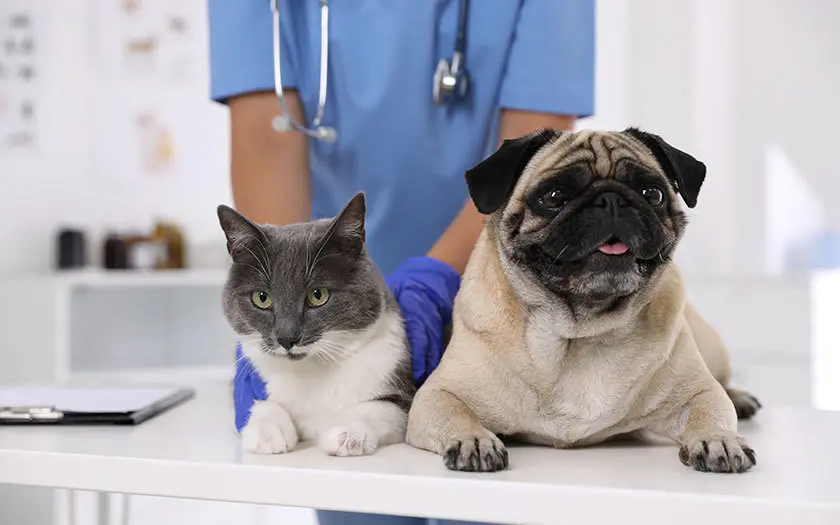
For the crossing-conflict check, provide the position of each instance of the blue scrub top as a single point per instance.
(394, 143)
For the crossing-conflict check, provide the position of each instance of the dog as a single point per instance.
(571, 327)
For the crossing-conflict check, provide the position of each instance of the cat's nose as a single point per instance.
(288, 342)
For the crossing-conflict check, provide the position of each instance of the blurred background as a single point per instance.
(112, 156)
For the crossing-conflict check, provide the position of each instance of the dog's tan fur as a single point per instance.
(519, 365)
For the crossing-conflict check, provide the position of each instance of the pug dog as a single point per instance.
(571, 326)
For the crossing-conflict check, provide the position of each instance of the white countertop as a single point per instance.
(193, 452)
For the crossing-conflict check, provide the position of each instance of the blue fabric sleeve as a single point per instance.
(241, 48)
(551, 67)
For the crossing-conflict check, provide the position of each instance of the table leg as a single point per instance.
(103, 508)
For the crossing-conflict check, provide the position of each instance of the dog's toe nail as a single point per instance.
(750, 453)
(684, 455)
(450, 457)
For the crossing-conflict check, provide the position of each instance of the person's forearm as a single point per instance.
(269, 170)
(456, 244)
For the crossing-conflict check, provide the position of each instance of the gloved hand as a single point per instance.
(425, 289)
(248, 387)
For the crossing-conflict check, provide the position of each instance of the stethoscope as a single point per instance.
(450, 80)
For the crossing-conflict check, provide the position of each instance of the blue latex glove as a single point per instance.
(425, 289)
(248, 387)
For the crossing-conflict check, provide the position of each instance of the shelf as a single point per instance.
(141, 279)
(182, 375)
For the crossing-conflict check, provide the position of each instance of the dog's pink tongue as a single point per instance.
(613, 249)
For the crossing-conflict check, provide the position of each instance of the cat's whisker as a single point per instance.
(264, 250)
(250, 340)
(264, 271)
(243, 357)
(251, 266)
(321, 249)
(243, 371)
(306, 244)
(392, 381)
(243, 242)
(332, 351)
(327, 355)
(329, 358)
(321, 259)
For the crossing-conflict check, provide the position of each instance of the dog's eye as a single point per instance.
(552, 200)
(653, 195)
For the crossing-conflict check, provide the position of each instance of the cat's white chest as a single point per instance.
(316, 392)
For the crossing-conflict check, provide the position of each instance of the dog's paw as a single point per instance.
(484, 453)
(269, 430)
(348, 441)
(729, 453)
(746, 405)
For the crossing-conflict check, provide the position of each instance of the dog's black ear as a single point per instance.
(685, 171)
(491, 181)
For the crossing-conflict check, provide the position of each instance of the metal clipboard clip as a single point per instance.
(30, 413)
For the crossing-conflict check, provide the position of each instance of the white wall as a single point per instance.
(76, 177)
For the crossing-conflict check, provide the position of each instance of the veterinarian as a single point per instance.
(399, 103)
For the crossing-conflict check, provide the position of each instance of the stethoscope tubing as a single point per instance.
(319, 131)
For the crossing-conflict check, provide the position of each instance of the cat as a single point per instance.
(318, 322)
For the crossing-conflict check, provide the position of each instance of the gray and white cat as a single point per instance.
(323, 330)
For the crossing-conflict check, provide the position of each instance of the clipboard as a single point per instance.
(87, 405)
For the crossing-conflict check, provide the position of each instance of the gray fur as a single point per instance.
(287, 262)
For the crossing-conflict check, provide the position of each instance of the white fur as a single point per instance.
(327, 395)
(270, 430)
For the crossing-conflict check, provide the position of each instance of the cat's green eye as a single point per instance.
(317, 297)
(261, 300)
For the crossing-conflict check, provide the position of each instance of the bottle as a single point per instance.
(115, 256)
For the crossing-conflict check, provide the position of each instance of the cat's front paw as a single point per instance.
(348, 441)
(270, 430)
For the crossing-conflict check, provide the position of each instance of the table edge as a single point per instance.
(489, 501)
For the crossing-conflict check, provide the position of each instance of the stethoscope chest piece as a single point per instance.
(450, 82)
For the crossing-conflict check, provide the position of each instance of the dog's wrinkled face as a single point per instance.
(591, 215)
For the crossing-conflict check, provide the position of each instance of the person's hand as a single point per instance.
(248, 387)
(425, 289)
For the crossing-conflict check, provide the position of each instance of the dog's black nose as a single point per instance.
(610, 200)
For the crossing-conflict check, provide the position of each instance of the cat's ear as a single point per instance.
(239, 231)
(347, 231)
(350, 222)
